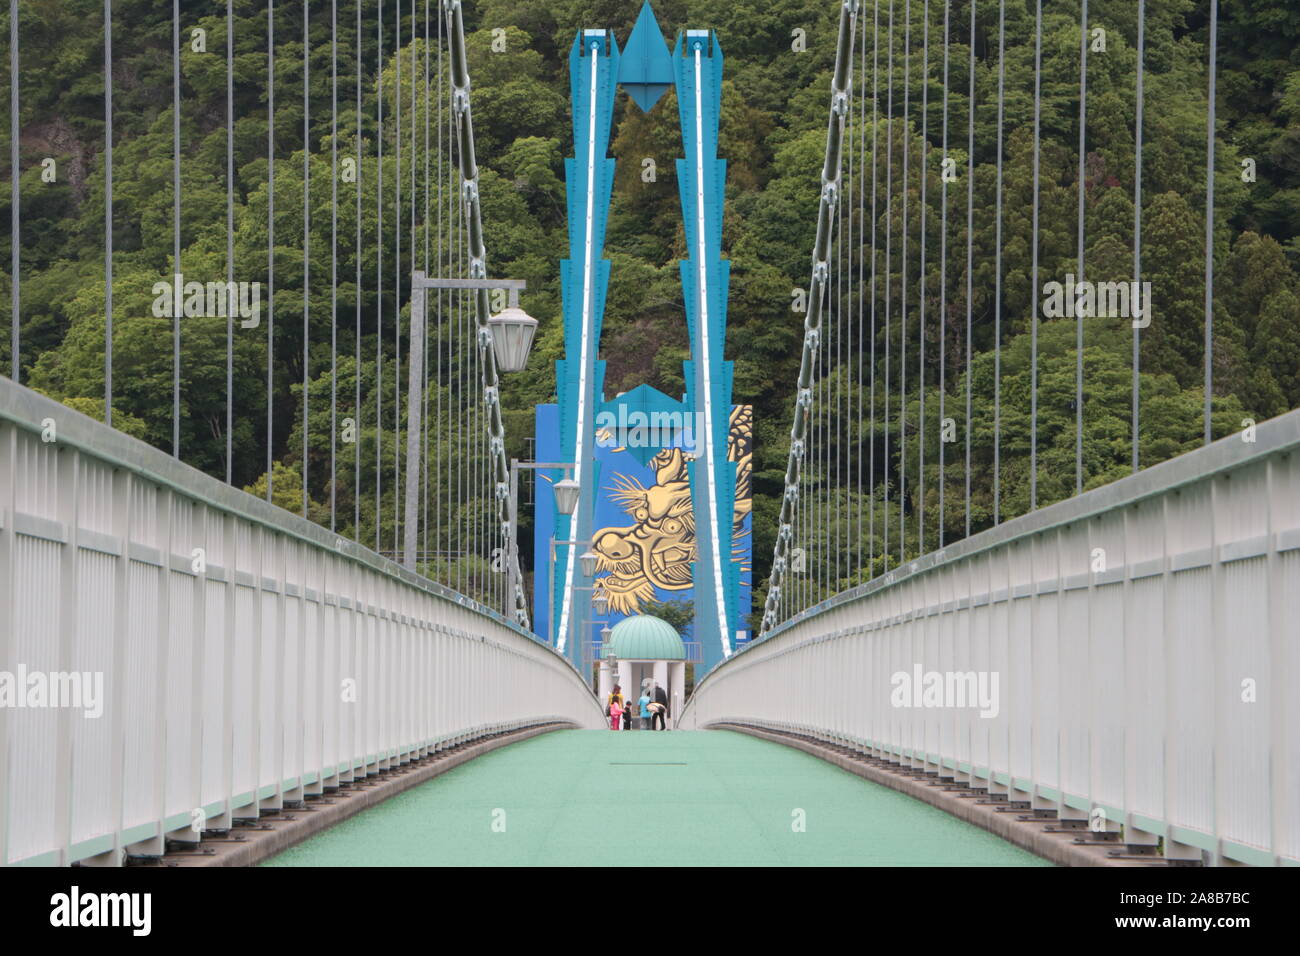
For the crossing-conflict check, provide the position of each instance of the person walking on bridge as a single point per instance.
(644, 709)
(661, 708)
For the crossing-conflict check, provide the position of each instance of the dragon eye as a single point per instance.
(641, 514)
(672, 527)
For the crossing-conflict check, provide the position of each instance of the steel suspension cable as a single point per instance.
(889, 261)
(848, 387)
(943, 284)
(306, 248)
(334, 257)
(920, 331)
(176, 229)
(1137, 223)
(397, 280)
(863, 500)
(270, 243)
(230, 239)
(1209, 219)
(108, 212)
(379, 280)
(812, 324)
(902, 313)
(838, 380)
(442, 270)
(424, 391)
(997, 285)
(356, 398)
(970, 249)
(875, 161)
(1033, 284)
(15, 354)
(1078, 319)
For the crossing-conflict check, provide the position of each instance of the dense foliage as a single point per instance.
(772, 134)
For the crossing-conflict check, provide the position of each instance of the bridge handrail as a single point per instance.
(1140, 657)
(1278, 436)
(21, 406)
(221, 688)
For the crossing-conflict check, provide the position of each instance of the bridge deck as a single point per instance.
(585, 797)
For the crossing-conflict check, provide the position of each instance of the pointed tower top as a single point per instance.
(646, 69)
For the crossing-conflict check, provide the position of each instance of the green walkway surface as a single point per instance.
(590, 797)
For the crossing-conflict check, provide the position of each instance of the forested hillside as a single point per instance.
(773, 129)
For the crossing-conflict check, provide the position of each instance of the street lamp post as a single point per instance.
(510, 334)
(565, 504)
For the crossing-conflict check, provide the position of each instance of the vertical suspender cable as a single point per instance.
(844, 376)
(334, 259)
(970, 239)
(1033, 284)
(108, 212)
(997, 294)
(822, 444)
(1078, 318)
(920, 329)
(270, 239)
(889, 259)
(397, 281)
(424, 419)
(14, 342)
(411, 244)
(823, 410)
(176, 232)
(230, 239)
(379, 279)
(442, 270)
(875, 158)
(1209, 221)
(461, 450)
(902, 312)
(862, 260)
(1137, 226)
(838, 380)
(356, 397)
(943, 282)
(306, 247)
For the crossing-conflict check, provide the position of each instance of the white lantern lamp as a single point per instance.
(566, 495)
(512, 336)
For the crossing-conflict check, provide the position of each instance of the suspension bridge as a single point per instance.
(972, 649)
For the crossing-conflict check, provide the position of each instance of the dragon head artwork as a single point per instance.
(656, 551)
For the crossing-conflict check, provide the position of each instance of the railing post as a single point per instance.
(67, 467)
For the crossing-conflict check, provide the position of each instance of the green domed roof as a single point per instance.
(644, 638)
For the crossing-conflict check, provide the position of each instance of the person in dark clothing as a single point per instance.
(660, 715)
(627, 716)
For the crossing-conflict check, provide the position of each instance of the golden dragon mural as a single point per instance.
(656, 550)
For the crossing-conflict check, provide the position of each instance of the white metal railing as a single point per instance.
(244, 656)
(1145, 639)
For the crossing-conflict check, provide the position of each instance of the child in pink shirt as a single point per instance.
(615, 714)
